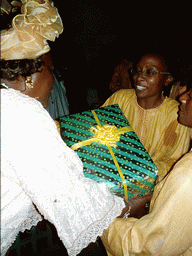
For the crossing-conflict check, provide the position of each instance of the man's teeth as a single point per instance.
(141, 87)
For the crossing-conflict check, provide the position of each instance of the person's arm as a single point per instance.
(164, 231)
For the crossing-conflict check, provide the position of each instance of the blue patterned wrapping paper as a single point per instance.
(135, 163)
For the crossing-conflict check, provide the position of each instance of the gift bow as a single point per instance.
(107, 135)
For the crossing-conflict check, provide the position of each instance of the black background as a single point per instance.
(98, 34)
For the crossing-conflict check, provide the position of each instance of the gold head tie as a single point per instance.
(38, 22)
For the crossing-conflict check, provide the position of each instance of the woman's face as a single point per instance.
(148, 87)
(185, 109)
(42, 82)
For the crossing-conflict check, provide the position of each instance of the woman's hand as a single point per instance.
(138, 206)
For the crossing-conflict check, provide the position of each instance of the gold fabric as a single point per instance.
(167, 229)
(27, 38)
(58, 126)
(163, 137)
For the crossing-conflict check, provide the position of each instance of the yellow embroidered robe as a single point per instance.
(167, 229)
(158, 129)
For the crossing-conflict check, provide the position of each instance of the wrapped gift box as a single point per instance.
(110, 150)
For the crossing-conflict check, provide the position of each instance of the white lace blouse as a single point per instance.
(38, 168)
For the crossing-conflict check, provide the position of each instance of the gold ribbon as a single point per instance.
(107, 135)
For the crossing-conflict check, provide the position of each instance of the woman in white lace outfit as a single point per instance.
(41, 176)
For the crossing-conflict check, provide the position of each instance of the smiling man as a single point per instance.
(152, 115)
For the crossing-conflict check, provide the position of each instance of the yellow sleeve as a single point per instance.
(166, 230)
(120, 97)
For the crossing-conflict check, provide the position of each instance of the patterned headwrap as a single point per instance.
(38, 22)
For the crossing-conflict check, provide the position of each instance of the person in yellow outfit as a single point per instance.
(166, 230)
(152, 115)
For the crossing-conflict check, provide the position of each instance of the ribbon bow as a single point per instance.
(106, 134)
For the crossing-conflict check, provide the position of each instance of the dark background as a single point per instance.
(98, 34)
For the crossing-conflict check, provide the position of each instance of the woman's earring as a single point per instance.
(29, 82)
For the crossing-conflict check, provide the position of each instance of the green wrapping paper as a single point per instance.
(110, 151)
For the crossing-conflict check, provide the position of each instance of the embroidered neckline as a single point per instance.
(151, 109)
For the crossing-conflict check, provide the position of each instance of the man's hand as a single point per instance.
(139, 206)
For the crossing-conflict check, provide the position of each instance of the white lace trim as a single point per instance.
(33, 218)
(96, 229)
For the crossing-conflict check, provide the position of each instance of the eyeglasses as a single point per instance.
(148, 72)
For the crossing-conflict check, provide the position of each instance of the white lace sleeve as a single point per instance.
(51, 174)
(17, 211)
